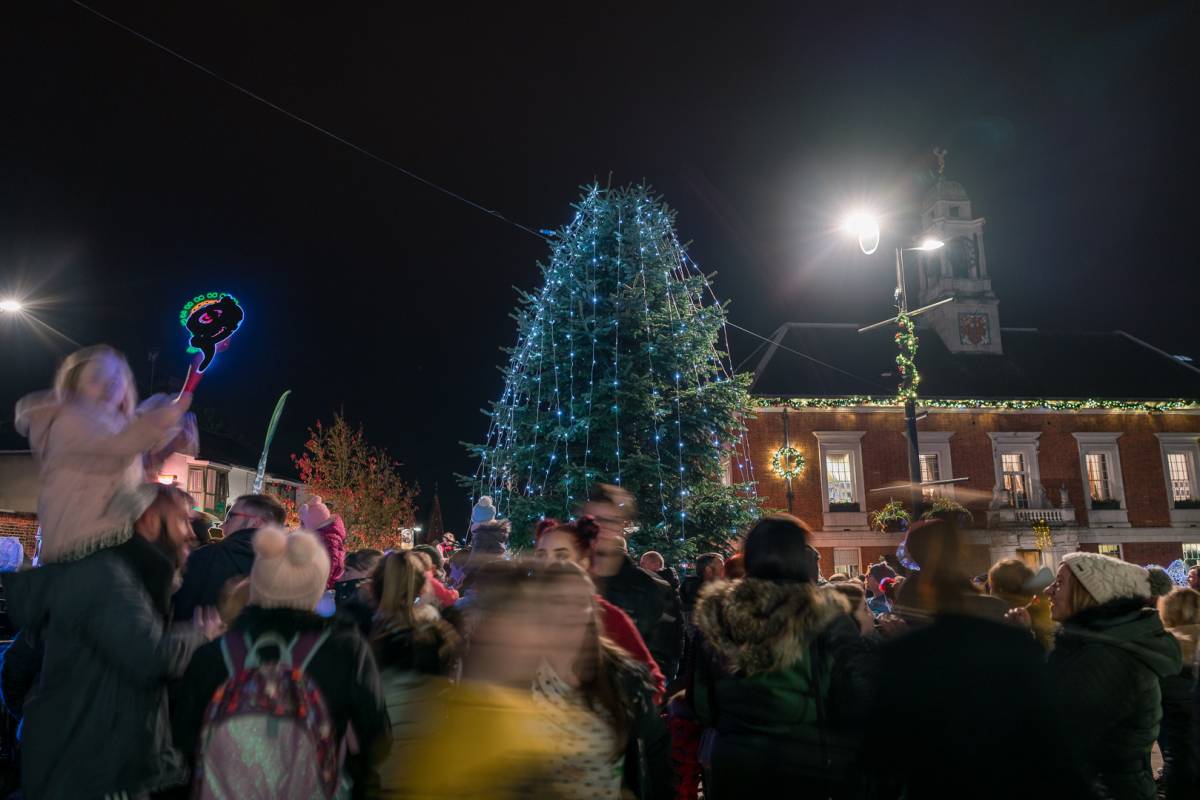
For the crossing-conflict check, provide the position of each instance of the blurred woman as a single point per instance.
(1106, 667)
(412, 643)
(1179, 738)
(575, 543)
(485, 739)
(597, 701)
(772, 668)
(92, 442)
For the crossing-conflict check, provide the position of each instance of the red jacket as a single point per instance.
(333, 535)
(620, 628)
(444, 595)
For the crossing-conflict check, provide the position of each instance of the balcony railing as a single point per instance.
(1028, 516)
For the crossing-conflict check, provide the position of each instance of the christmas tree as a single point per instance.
(620, 375)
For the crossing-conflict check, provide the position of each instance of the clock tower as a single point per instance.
(970, 324)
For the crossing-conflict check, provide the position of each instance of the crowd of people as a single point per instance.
(150, 662)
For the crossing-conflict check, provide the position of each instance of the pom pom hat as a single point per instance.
(1107, 578)
(483, 512)
(290, 570)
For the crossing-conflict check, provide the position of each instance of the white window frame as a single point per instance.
(937, 443)
(1186, 443)
(1025, 444)
(1183, 548)
(858, 561)
(1105, 444)
(843, 442)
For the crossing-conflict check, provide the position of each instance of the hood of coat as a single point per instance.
(1127, 624)
(761, 626)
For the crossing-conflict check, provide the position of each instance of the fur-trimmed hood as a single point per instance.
(761, 626)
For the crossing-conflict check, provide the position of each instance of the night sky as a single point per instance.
(130, 181)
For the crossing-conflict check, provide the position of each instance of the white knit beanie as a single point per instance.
(290, 569)
(1107, 578)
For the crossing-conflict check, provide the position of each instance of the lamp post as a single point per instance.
(866, 228)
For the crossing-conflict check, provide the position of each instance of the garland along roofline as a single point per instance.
(868, 401)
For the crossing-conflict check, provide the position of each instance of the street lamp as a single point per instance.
(866, 227)
(11, 306)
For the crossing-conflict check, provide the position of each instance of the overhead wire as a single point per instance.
(297, 118)
(541, 234)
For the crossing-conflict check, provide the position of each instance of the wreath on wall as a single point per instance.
(787, 462)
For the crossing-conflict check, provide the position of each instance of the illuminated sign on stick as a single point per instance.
(211, 319)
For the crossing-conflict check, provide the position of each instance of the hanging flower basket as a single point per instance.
(944, 508)
(892, 518)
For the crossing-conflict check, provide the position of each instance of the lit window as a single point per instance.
(845, 561)
(930, 472)
(1191, 554)
(838, 479)
(1181, 476)
(1016, 481)
(210, 488)
(1097, 474)
(1113, 550)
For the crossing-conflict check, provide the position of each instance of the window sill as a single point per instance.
(845, 521)
(1108, 518)
(1185, 517)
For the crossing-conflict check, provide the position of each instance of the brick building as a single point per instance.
(1095, 434)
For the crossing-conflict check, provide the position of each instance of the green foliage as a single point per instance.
(619, 376)
(892, 513)
(945, 508)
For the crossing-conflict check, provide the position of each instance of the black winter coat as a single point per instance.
(654, 608)
(96, 721)
(963, 709)
(1179, 735)
(343, 669)
(781, 677)
(647, 755)
(1105, 670)
(209, 568)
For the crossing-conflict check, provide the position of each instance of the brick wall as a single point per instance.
(1161, 553)
(885, 455)
(22, 526)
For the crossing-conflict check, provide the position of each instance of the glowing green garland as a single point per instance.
(867, 401)
(906, 363)
(787, 462)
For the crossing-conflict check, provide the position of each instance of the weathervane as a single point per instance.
(940, 154)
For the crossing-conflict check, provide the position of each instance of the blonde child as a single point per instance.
(92, 442)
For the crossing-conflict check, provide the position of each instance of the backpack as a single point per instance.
(268, 733)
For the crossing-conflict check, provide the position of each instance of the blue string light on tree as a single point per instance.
(620, 294)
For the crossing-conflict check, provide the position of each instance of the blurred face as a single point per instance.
(169, 528)
(1059, 593)
(608, 556)
(652, 562)
(1194, 578)
(558, 545)
(567, 610)
(241, 518)
(103, 382)
(864, 618)
(610, 518)
(506, 646)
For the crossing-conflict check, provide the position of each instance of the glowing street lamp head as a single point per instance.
(930, 244)
(863, 225)
(11, 306)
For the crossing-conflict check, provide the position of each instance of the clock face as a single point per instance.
(973, 328)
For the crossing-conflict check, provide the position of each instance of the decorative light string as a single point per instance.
(983, 404)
